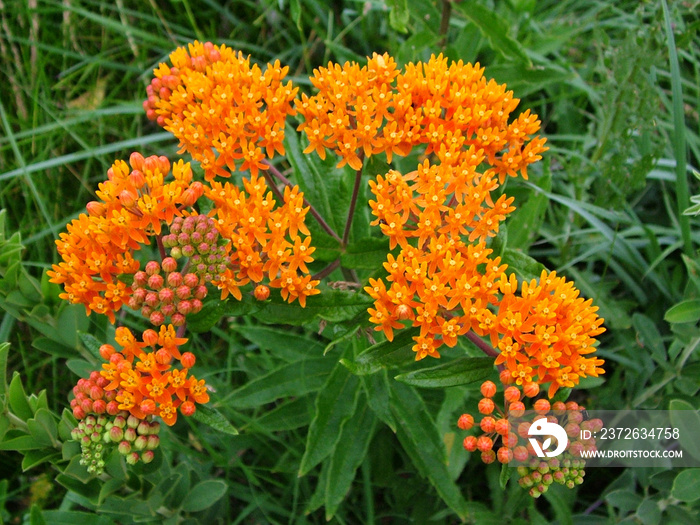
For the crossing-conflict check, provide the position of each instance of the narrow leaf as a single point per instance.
(293, 379)
(215, 419)
(203, 495)
(461, 371)
(334, 405)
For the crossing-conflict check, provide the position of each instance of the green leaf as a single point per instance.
(53, 347)
(461, 371)
(215, 419)
(419, 437)
(335, 403)
(292, 379)
(525, 222)
(493, 27)
(378, 393)
(398, 15)
(71, 321)
(35, 516)
(92, 344)
(89, 490)
(18, 399)
(354, 443)
(648, 512)
(387, 353)
(525, 267)
(43, 428)
(333, 306)
(366, 254)
(74, 517)
(80, 367)
(203, 495)
(214, 309)
(684, 312)
(649, 336)
(687, 420)
(32, 458)
(4, 352)
(293, 414)
(686, 486)
(21, 443)
(506, 471)
(289, 345)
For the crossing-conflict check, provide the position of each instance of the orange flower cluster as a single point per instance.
(441, 215)
(265, 240)
(546, 333)
(146, 381)
(99, 246)
(213, 100)
(377, 108)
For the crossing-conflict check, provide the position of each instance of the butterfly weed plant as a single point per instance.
(371, 207)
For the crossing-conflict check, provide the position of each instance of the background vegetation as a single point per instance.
(617, 87)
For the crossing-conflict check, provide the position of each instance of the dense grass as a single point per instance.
(619, 105)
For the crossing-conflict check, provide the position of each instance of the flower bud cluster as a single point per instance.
(92, 398)
(162, 293)
(135, 439)
(540, 473)
(90, 433)
(505, 437)
(197, 238)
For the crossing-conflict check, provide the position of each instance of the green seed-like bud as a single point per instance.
(132, 458)
(144, 428)
(153, 442)
(140, 443)
(148, 456)
(133, 421)
(124, 448)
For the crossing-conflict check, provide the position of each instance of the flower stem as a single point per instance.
(278, 175)
(327, 270)
(481, 344)
(353, 203)
(445, 21)
(161, 248)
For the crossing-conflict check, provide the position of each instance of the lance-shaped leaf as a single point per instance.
(334, 405)
(461, 371)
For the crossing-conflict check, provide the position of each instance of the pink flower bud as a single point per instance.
(151, 299)
(141, 278)
(200, 292)
(128, 198)
(184, 307)
(169, 264)
(183, 292)
(156, 318)
(150, 337)
(196, 305)
(136, 179)
(188, 408)
(188, 250)
(166, 295)
(175, 279)
(152, 268)
(112, 408)
(177, 319)
(106, 351)
(188, 360)
(191, 280)
(96, 209)
(156, 282)
(168, 309)
(136, 159)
